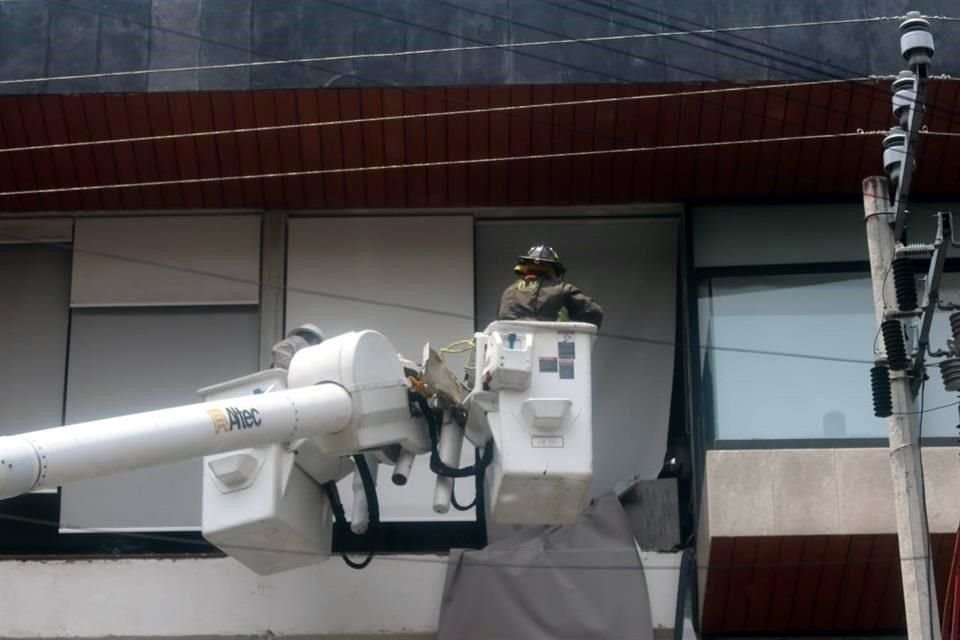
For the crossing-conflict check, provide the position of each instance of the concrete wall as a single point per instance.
(783, 492)
(218, 597)
(395, 596)
(41, 39)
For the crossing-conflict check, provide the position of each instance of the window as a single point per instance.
(788, 357)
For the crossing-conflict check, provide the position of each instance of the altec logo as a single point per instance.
(234, 418)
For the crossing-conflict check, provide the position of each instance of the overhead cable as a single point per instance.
(432, 114)
(441, 50)
(439, 163)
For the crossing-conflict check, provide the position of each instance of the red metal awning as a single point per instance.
(795, 585)
(799, 169)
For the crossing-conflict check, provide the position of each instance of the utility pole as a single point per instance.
(904, 324)
(916, 566)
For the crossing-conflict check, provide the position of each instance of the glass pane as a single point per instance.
(788, 357)
(776, 357)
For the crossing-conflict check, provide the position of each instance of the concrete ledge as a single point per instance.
(786, 492)
(397, 596)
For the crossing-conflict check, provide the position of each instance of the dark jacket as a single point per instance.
(549, 300)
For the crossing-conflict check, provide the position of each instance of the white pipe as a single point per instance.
(449, 447)
(360, 515)
(403, 467)
(52, 457)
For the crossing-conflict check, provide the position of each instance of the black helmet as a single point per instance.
(542, 254)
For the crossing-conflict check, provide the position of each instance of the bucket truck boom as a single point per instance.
(275, 441)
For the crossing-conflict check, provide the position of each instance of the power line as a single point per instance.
(807, 103)
(449, 49)
(432, 114)
(762, 55)
(440, 50)
(659, 13)
(609, 76)
(401, 21)
(438, 163)
(788, 52)
(226, 45)
(447, 99)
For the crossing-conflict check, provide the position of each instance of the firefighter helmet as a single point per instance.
(541, 254)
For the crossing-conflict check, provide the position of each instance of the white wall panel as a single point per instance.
(166, 260)
(410, 278)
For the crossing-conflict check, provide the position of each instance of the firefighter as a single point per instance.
(540, 293)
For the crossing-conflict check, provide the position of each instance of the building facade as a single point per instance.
(378, 164)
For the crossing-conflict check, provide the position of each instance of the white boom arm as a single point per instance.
(52, 457)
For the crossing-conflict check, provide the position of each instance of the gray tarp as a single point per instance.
(583, 581)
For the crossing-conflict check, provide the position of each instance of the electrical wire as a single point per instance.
(660, 13)
(232, 47)
(436, 114)
(327, 1)
(379, 16)
(928, 556)
(610, 76)
(439, 50)
(439, 163)
(763, 54)
(762, 62)
(770, 47)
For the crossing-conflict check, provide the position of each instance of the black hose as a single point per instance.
(478, 485)
(373, 508)
(369, 488)
(456, 504)
(373, 513)
(437, 465)
(333, 495)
